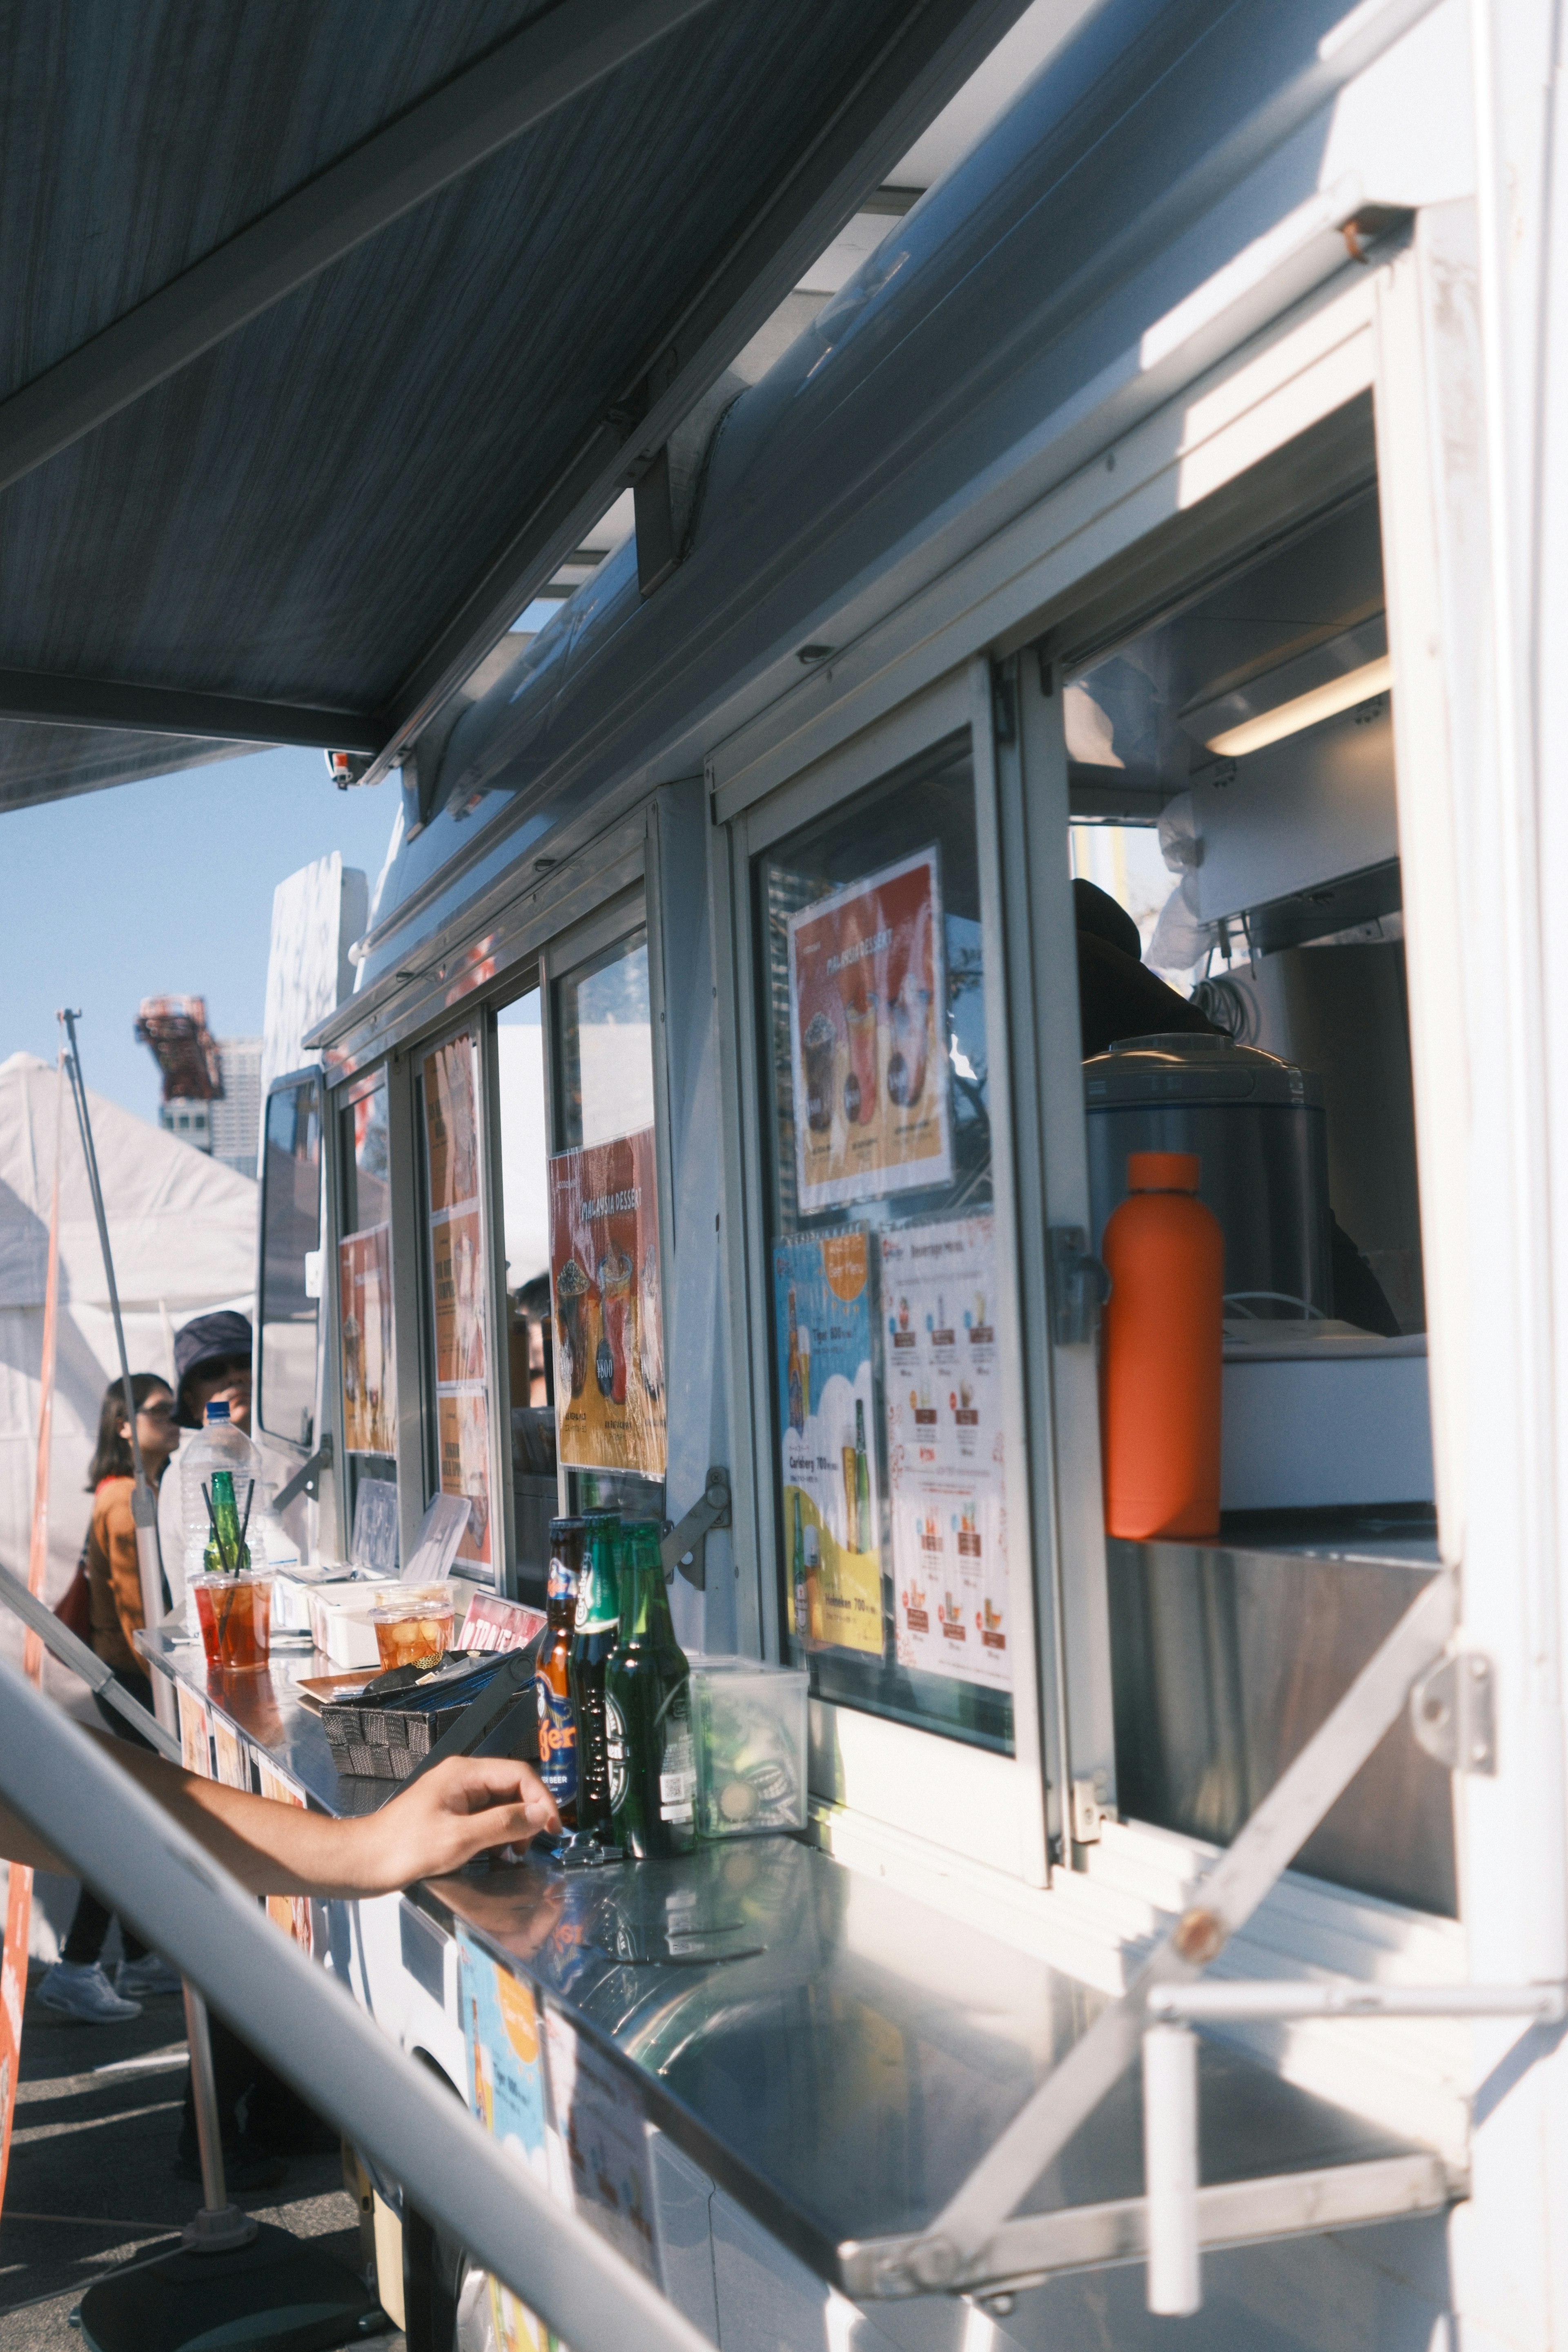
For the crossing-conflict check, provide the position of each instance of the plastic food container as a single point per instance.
(235, 1613)
(409, 1629)
(751, 1747)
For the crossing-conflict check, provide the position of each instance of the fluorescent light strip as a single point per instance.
(1306, 709)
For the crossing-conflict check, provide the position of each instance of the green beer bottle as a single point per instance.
(593, 1639)
(233, 1555)
(648, 1711)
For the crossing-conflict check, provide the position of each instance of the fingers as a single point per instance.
(477, 1781)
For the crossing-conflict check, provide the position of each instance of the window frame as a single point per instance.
(289, 1081)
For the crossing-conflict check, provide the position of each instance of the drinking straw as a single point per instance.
(245, 1521)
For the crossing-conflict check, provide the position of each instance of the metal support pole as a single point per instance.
(1170, 2169)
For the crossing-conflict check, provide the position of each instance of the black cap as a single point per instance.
(219, 1339)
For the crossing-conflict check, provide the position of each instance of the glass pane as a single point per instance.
(604, 1235)
(524, 1153)
(364, 1280)
(887, 1412)
(449, 1098)
(290, 1263)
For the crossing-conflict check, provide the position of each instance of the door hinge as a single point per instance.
(307, 1479)
(1080, 1286)
(686, 1546)
(1453, 1712)
(1088, 1810)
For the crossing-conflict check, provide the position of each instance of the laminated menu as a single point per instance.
(604, 1279)
(506, 2092)
(827, 1438)
(458, 1287)
(945, 1450)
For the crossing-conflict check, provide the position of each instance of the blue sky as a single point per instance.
(163, 889)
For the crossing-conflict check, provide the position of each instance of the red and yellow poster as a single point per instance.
(457, 1286)
(364, 1307)
(867, 1037)
(604, 1273)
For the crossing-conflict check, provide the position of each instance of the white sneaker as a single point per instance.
(145, 1979)
(80, 1990)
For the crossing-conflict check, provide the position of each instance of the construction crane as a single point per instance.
(175, 1028)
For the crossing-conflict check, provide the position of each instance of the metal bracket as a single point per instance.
(502, 1721)
(1088, 1812)
(685, 1546)
(1080, 1287)
(307, 1479)
(1453, 1712)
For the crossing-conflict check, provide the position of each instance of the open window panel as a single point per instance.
(602, 1210)
(288, 1308)
(883, 1323)
(523, 1145)
(1234, 845)
(366, 1316)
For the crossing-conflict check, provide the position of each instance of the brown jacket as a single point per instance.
(113, 1577)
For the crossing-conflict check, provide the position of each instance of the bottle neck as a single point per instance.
(649, 1619)
(598, 1598)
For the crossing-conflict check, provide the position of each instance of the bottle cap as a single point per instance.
(1162, 1171)
(217, 1409)
(559, 1527)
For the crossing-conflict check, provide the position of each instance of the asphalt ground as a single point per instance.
(91, 2179)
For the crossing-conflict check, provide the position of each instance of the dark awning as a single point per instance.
(331, 326)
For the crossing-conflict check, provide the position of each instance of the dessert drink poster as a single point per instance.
(364, 1309)
(827, 1442)
(505, 2071)
(605, 1279)
(867, 997)
(457, 1286)
(945, 1450)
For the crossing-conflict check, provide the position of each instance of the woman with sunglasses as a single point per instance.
(76, 1986)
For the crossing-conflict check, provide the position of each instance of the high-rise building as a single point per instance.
(236, 1117)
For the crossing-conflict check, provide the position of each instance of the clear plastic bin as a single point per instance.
(751, 1747)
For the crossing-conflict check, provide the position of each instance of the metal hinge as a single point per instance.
(685, 1546)
(1088, 1810)
(307, 1479)
(1080, 1286)
(1453, 1712)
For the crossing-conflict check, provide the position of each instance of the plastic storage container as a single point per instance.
(750, 1722)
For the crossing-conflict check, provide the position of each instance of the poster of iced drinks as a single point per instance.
(365, 1309)
(604, 1274)
(457, 1286)
(868, 1031)
(945, 1450)
(822, 1314)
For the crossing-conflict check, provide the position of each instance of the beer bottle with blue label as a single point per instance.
(595, 1625)
(647, 1713)
(552, 1680)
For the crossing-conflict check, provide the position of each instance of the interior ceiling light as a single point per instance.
(1325, 701)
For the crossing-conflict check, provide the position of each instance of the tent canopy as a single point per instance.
(331, 327)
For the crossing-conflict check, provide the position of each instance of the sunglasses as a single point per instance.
(164, 1411)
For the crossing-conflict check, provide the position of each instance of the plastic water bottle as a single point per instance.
(219, 1446)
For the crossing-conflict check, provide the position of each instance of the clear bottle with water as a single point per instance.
(219, 1446)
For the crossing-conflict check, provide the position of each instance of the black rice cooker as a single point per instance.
(1258, 1127)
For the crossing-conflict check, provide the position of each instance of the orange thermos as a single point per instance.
(1164, 1332)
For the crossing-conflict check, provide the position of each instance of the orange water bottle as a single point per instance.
(1163, 1333)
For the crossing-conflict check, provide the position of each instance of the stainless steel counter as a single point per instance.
(830, 2052)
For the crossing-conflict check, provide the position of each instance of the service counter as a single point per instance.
(819, 2056)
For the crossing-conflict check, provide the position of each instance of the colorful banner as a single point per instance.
(364, 1309)
(457, 1280)
(604, 1273)
(822, 1323)
(945, 1451)
(506, 2092)
(868, 996)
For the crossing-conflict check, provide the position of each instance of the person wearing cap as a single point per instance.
(212, 1361)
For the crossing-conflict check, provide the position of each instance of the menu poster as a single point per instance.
(364, 1307)
(867, 997)
(196, 1734)
(293, 1914)
(600, 2157)
(822, 1321)
(493, 1624)
(229, 1756)
(603, 1276)
(463, 1438)
(506, 2091)
(945, 1451)
(457, 1286)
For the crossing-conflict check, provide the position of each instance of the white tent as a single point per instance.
(183, 1230)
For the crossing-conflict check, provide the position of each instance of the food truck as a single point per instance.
(724, 1127)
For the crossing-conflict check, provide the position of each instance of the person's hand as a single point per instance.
(459, 1809)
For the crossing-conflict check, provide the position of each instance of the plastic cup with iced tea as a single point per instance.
(412, 1631)
(236, 1617)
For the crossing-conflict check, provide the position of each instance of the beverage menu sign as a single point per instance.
(945, 1451)
(868, 1022)
(501, 2045)
(822, 1316)
(364, 1310)
(604, 1276)
(457, 1286)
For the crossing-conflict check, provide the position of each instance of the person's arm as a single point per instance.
(118, 1541)
(451, 1813)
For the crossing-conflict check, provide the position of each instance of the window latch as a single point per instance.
(307, 1479)
(685, 1546)
(1080, 1287)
